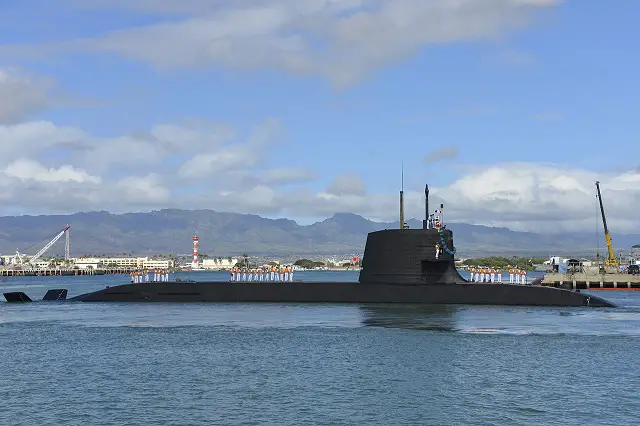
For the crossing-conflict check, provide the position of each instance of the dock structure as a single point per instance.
(67, 272)
(582, 281)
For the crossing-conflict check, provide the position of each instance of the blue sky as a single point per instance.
(510, 109)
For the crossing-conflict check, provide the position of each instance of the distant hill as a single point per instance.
(224, 234)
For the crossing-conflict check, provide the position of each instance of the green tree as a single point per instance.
(504, 262)
(307, 263)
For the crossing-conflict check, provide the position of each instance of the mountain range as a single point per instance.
(170, 231)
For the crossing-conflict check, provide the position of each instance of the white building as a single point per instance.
(218, 263)
(122, 262)
(97, 262)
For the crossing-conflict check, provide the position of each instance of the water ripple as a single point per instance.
(176, 364)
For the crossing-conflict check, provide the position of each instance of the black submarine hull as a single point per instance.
(399, 266)
(343, 292)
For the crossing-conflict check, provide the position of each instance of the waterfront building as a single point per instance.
(218, 263)
(122, 262)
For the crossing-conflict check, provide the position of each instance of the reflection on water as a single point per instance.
(410, 317)
(227, 363)
(512, 320)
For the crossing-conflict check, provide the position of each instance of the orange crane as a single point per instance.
(611, 261)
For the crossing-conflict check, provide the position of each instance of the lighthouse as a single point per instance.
(196, 242)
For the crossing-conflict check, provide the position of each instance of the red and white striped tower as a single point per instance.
(196, 241)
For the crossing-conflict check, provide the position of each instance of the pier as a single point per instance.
(581, 281)
(64, 272)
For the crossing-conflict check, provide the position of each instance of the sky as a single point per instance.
(509, 109)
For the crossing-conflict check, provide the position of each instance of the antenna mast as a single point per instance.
(402, 198)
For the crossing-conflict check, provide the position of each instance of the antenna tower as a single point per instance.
(402, 198)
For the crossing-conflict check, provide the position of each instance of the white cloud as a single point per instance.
(21, 95)
(30, 170)
(346, 184)
(522, 196)
(213, 160)
(141, 192)
(341, 40)
(287, 175)
(542, 197)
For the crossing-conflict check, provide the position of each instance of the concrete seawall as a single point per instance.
(583, 281)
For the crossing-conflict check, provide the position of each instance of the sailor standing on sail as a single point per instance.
(510, 275)
(291, 274)
(286, 273)
(493, 274)
(499, 275)
(471, 271)
(524, 275)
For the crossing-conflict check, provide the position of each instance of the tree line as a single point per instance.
(504, 262)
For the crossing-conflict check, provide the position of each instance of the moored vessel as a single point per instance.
(399, 266)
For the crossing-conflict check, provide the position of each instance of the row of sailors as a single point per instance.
(262, 274)
(491, 275)
(161, 275)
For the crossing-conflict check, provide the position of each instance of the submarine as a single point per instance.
(399, 266)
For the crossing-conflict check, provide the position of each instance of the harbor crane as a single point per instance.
(37, 256)
(611, 261)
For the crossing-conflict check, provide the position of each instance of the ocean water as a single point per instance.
(227, 364)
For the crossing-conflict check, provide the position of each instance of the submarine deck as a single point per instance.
(343, 292)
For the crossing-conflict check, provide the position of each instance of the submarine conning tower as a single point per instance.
(408, 256)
